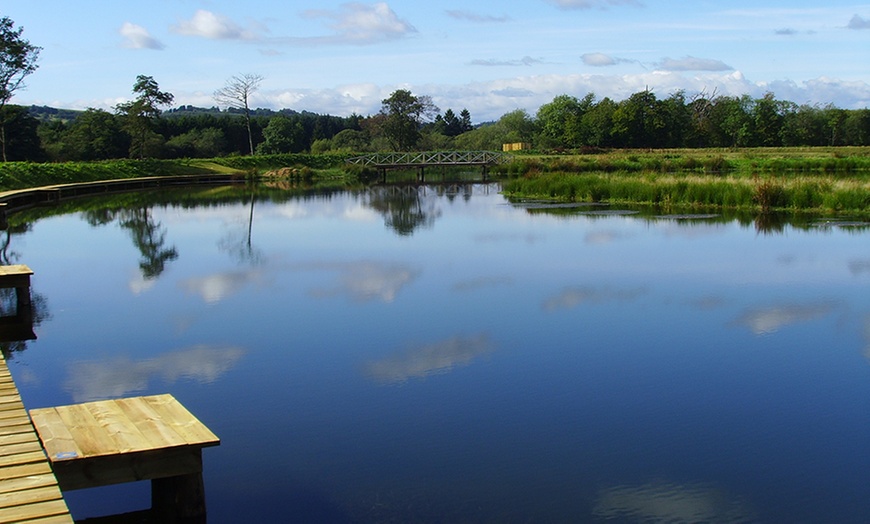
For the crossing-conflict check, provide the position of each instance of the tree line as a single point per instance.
(146, 127)
(409, 122)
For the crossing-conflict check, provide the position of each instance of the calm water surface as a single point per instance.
(445, 356)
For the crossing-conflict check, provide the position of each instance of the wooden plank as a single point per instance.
(24, 447)
(30, 496)
(24, 470)
(28, 488)
(84, 428)
(54, 519)
(18, 438)
(28, 512)
(22, 458)
(182, 421)
(149, 423)
(115, 422)
(55, 435)
(15, 269)
(12, 429)
(23, 483)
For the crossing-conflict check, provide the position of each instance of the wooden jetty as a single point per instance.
(29, 492)
(17, 276)
(129, 439)
(93, 444)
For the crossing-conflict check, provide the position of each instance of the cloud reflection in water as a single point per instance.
(763, 321)
(429, 359)
(572, 297)
(367, 281)
(670, 502)
(94, 380)
(216, 287)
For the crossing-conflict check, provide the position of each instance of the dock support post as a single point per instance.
(179, 499)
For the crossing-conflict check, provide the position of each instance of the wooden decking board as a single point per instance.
(28, 512)
(29, 496)
(22, 458)
(148, 422)
(29, 491)
(17, 449)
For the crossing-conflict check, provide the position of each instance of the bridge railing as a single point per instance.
(431, 158)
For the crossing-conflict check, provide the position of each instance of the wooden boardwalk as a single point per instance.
(29, 492)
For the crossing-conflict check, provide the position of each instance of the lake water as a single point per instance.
(443, 355)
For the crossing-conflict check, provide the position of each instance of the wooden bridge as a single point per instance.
(420, 160)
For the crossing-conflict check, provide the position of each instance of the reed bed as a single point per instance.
(766, 193)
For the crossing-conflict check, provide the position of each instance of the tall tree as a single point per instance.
(237, 93)
(403, 114)
(465, 121)
(17, 60)
(141, 112)
(95, 135)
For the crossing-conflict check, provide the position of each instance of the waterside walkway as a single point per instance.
(29, 492)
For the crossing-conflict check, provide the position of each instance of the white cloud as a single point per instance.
(691, 63)
(858, 22)
(137, 37)
(590, 4)
(524, 61)
(357, 23)
(213, 26)
(598, 59)
(470, 16)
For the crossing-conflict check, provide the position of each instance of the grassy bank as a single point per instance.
(20, 175)
(821, 180)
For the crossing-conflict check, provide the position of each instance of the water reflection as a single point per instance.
(429, 359)
(571, 297)
(526, 434)
(215, 288)
(365, 281)
(670, 502)
(119, 376)
(858, 267)
(148, 235)
(405, 208)
(482, 282)
(763, 321)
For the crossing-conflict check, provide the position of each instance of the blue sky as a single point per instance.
(491, 57)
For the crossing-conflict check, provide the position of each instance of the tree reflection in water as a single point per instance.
(148, 236)
(405, 208)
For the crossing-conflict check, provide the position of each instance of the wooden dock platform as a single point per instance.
(29, 492)
(129, 439)
(17, 276)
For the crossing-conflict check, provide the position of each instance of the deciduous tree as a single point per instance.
(404, 113)
(17, 60)
(141, 112)
(237, 93)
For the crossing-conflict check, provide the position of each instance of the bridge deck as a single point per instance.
(421, 159)
(28, 489)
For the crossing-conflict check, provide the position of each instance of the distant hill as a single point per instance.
(47, 114)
